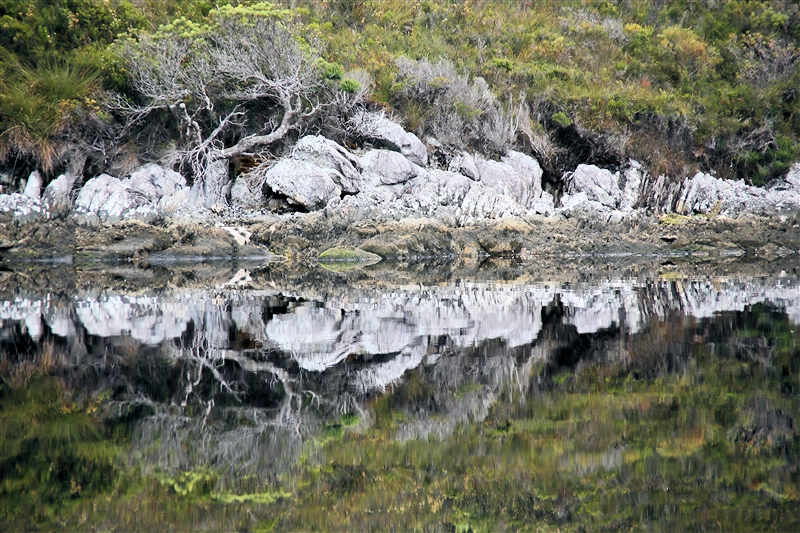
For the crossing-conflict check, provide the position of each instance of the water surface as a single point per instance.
(401, 398)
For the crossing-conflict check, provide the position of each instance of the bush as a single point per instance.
(37, 104)
(349, 85)
(458, 112)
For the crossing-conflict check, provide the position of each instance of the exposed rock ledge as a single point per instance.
(386, 203)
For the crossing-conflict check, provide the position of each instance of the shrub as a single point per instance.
(38, 103)
(349, 85)
(459, 112)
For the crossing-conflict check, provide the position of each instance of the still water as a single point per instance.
(397, 398)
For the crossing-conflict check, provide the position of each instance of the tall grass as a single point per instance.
(36, 104)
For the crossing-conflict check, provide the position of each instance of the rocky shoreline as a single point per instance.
(305, 238)
(387, 202)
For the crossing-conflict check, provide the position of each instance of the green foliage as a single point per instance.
(38, 29)
(52, 450)
(331, 71)
(562, 119)
(611, 66)
(190, 483)
(37, 102)
(503, 63)
(349, 85)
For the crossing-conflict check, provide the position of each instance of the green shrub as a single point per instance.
(332, 71)
(562, 119)
(349, 85)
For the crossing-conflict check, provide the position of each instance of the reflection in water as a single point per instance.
(237, 380)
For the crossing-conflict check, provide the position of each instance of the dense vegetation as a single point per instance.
(679, 85)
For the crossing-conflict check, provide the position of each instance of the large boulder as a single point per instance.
(385, 133)
(785, 194)
(439, 189)
(106, 199)
(56, 194)
(582, 205)
(529, 169)
(325, 153)
(600, 185)
(482, 202)
(304, 184)
(502, 178)
(153, 182)
(384, 167)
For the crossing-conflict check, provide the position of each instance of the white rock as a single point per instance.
(172, 203)
(599, 185)
(464, 164)
(33, 189)
(483, 202)
(439, 188)
(140, 185)
(21, 207)
(244, 194)
(502, 178)
(327, 154)
(165, 181)
(388, 134)
(528, 168)
(544, 205)
(706, 194)
(56, 194)
(384, 167)
(582, 205)
(305, 184)
(631, 185)
(105, 199)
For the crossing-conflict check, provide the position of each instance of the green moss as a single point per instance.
(673, 219)
(343, 253)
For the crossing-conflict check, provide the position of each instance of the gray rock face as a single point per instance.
(155, 181)
(544, 205)
(581, 204)
(630, 183)
(599, 185)
(327, 154)
(56, 194)
(705, 194)
(305, 184)
(502, 178)
(106, 199)
(21, 208)
(384, 167)
(528, 168)
(387, 134)
(33, 189)
(483, 202)
(464, 164)
(246, 193)
(438, 189)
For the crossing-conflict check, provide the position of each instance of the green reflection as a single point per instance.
(694, 429)
(53, 450)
